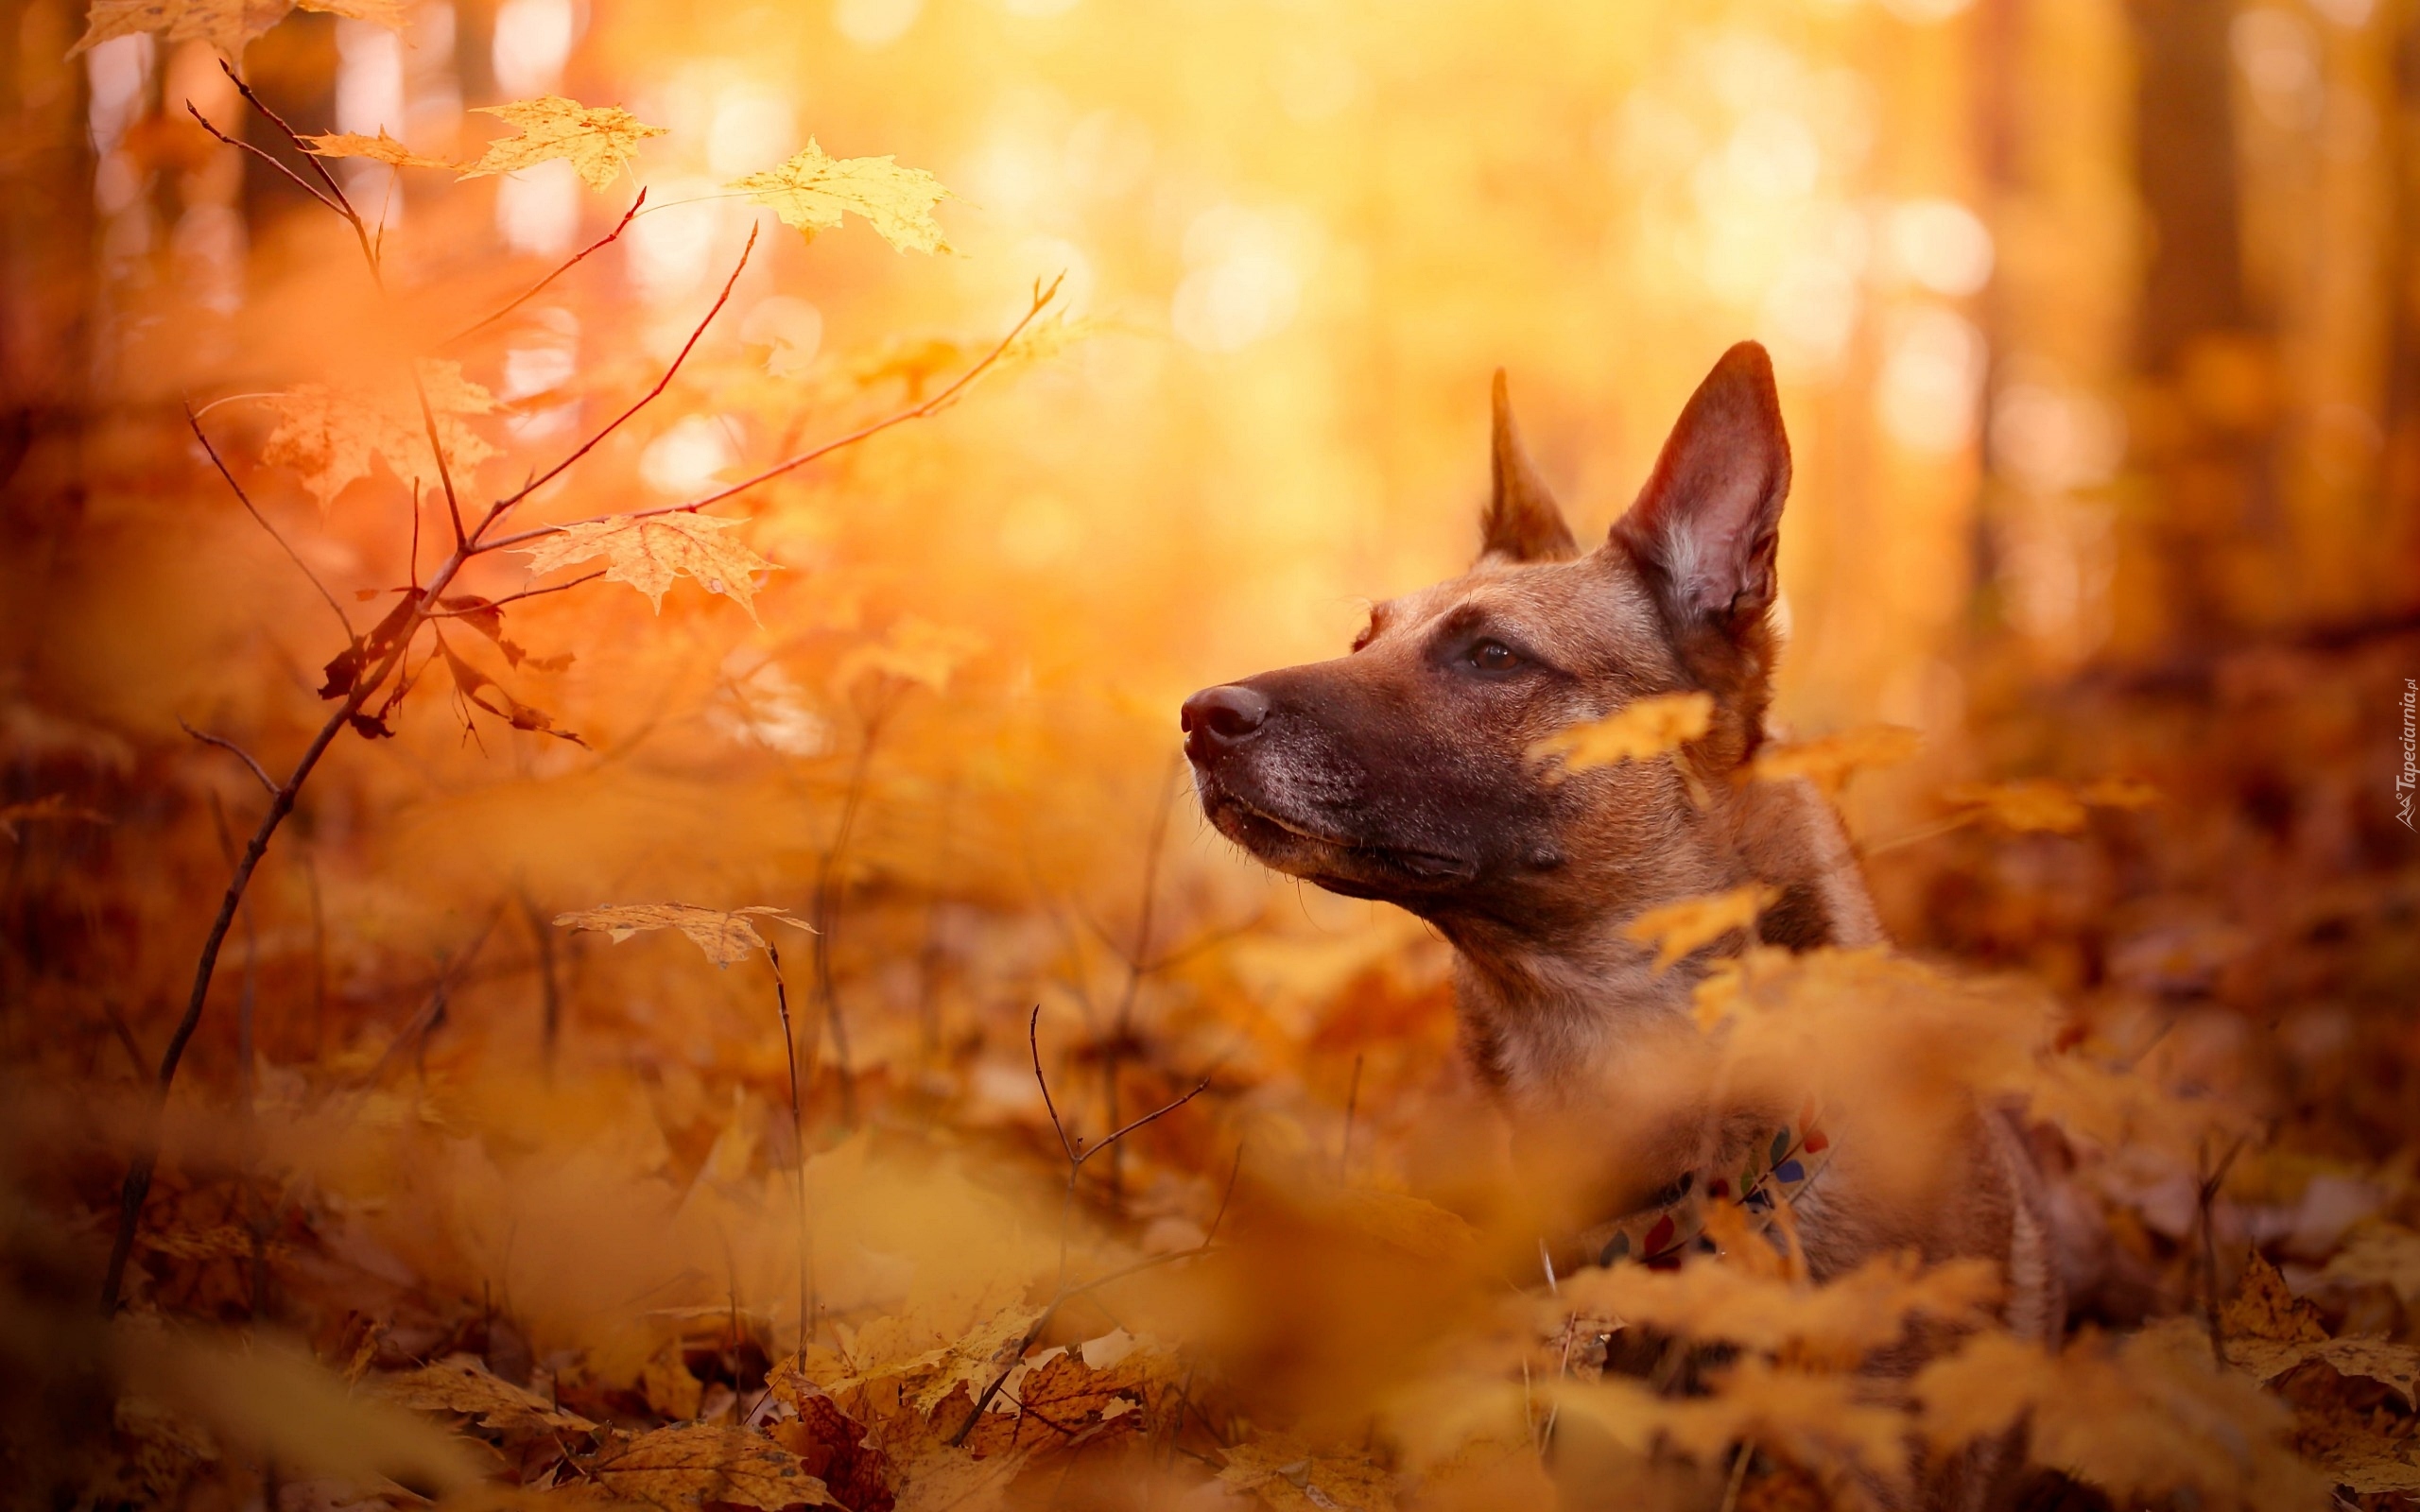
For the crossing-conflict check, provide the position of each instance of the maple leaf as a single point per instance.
(812, 190)
(1639, 731)
(2377, 1254)
(649, 552)
(2395, 1366)
(670, 1390)
(1842, 1321)
(727, 937)
(1813, 1418)
(230, 25)
(2141, 1418)
(1285, 1473)
(329, 432)
(2040, 805)
(916, 651)
(681, 1467)
(831, 1446)
(463, 1384)
(1677, 928)
(379, 148)
(597, 141)
(1828, 760)
(2264, 1308)
(477, 688)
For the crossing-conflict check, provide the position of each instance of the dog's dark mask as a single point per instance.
(1403, 771)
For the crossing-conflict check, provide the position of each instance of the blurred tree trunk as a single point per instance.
(2202, 420)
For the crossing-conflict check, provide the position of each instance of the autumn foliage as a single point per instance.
(602, 906)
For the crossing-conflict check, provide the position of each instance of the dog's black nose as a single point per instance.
(1216, 718)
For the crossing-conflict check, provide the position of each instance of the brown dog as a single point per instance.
(1404, 772)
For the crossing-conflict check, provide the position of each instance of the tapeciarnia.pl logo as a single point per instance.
(2405, 780)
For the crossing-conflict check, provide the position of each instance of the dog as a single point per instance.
(1404, 772)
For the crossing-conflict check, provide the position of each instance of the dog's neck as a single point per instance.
(1542, 1017)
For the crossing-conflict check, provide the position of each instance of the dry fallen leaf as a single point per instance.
(464, 1386)
(1639, 731)
(1286, 1474)
(597, 141)
(812, 190)
(2377, 1254)
(2395, 1366)
(2143, 1416)
(649, 552)
(1842, 1319)
(682, 1469)
(727, 937)
(1677, 928)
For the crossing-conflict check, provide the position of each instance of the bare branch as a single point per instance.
(535, 289)
(497, 509)
(194, 420)
(940, 401)
(527, 593)
(296, 179)
(267, 783)
(1033, 1042)
(1153, 1116)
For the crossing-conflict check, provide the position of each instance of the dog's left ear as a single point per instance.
(1706, 524)
(1522, 521)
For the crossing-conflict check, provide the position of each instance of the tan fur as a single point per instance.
(1402, 771)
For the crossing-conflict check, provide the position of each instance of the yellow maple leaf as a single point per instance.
(597, 141)
(2040, 805)
(726, 936)
(812, 190)
(2141, 1418)
(1828, 760)
(379, 148)
(1842, 1320)
(680, 1468)
(650, 551)
(329, 432)
(916, 651)
(1638, 730)
(1676, 929)
(230, 25)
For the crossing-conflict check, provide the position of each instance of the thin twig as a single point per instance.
(515, 598)
(2206, 1196)
(824, 910)
(1121, 1031)
(496, 511)
(267, 782)
(296, 179)
(798, 1145)
(534, 289)
(137, 1185)
(938, 401)
(194, 419)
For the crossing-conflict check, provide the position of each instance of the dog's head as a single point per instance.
(1402, 771)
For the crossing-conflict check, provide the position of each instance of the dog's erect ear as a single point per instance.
(1707, 522)
(1521, 520)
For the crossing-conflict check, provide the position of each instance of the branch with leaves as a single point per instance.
(326, 433)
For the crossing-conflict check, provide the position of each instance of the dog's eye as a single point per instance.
(1494, 655)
